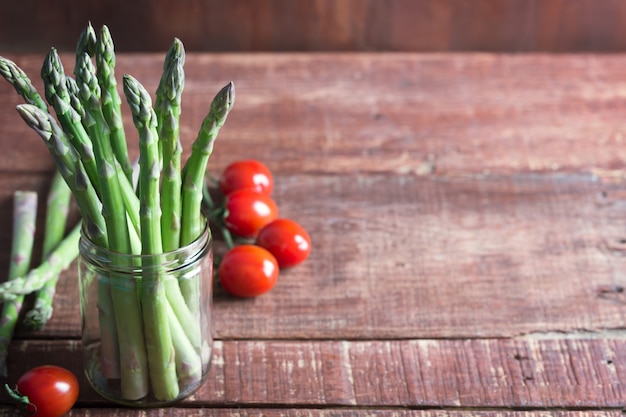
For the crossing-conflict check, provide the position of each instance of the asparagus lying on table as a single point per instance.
(24, 221)
(60, 258)
(57, 209)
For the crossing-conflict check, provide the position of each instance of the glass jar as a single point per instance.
(146, 321)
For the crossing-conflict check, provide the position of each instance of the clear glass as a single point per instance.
(146, 321)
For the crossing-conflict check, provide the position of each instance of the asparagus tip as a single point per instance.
(35, 118)
(86, 41)
(36, 319)
(224, 100)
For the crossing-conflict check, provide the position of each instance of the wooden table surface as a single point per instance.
(468, 219)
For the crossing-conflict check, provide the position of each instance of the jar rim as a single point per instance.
(184, 255)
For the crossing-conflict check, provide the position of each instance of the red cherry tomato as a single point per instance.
(46, 391)
(248, 211)
(248, 271)
(286, 240)
(247, 174)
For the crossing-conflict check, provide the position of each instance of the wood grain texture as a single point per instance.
(466, 213)
(526, 373)
(397, 113)
(323, 25)
(442, 256)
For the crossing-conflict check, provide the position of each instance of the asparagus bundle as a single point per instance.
(150, 342)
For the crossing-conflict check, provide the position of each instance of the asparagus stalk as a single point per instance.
(154, 302)
(111, 123)
(110, 191)
(58, 97)
(71, 121)
(120, 318)
(176, 51)
(20, 81)
(188, 359)
(127, 310)
(70, 167)
(57, 208)
(192, 222)
(60, 258)
(86, 43)
(168, 109)
(73, 91)
(24, 221)
(194, 170)
(58, 201)
(183, 313)
(111, 101)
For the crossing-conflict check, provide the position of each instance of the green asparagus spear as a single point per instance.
(194, 170)
(72, 123)
(176, 52)
(73, 92)
(60, 258)
(168, 109)
(111, 299)
(110, 192)
(188, 359)
(126, 307)
(58, 202)
(154, 301)
(192, 222)
(24, 221)
(86, 43)
(69, 165)
(111, 101)
(20, 81)
(57, 208)
(58, 97)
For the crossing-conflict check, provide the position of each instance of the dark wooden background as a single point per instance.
(322, 25)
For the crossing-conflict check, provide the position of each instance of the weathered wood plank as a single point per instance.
(399, 113)
(414, 257)
(531, 372)
(358, 25)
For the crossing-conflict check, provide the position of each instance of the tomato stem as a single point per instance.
(210, 182)
(228, 238)
(22, 402)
